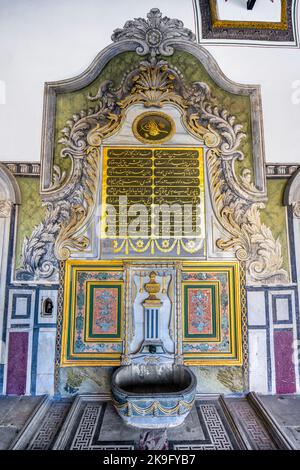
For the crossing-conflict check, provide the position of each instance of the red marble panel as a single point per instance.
(17, 363)
(284, 365)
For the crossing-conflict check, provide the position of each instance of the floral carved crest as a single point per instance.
(236, 200)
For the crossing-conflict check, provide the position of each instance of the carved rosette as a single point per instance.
(236, 200)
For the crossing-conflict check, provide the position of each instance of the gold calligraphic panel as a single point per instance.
(153, 202)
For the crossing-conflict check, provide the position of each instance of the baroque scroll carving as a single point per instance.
(236, 200)
(5, 208)
(237, 203)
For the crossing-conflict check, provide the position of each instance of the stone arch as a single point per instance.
(10, 195)
(237, 201)
(9, 188)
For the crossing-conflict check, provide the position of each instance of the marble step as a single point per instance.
(275, 427)
(15, 412)
(93, 424)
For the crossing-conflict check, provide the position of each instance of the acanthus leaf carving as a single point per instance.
(250, 239)
(81, 205)
(38, 257)
(237, 202)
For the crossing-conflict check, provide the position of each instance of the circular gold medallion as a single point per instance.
(153, 127)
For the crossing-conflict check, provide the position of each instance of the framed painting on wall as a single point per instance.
(211, 313)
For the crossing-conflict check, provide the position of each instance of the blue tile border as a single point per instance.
(35, 336)
(9, 271)
(257, 327)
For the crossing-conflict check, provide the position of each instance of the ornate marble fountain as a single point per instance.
(152, 391)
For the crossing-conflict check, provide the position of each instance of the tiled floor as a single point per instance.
(97, 426)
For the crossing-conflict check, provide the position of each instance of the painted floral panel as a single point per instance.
(80, 345)
(105, 310)
(199, 311)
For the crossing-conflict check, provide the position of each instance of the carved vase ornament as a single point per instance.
(152, 287)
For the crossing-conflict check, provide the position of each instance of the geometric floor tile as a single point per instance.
(50, 426)
(96, 426)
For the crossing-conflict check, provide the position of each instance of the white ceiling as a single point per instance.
(42, 41)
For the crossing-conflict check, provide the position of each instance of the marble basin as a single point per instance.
(153, 396)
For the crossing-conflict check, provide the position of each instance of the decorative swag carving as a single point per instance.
(236, 200)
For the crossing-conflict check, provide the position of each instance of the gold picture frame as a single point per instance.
(217, 23)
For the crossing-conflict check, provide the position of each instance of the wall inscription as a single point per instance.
(153, 202)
